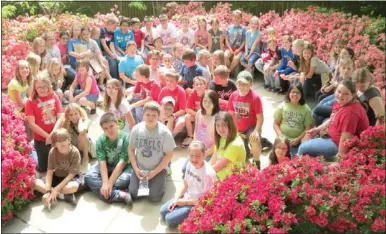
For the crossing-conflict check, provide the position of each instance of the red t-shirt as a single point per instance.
(194, 101)
(351, 118)
(45, 110)
(138, 37)
(245, 108)
(151, 89)
(178, 94)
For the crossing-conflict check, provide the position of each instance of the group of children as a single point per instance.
(158, 82)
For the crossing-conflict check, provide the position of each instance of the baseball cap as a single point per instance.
(168, 99)
(245, 77)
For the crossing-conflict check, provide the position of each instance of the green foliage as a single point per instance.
(139, 5)
(32, 34)
(8, 11)
(375, 29)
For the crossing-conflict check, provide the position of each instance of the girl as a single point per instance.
(270, 61)
(76, 122)
(229, 146)
(252, 45)
(115, 102)
(348, 119)
(18, 87)
(34, 64)
(293, 118)
(63, 48)
(74, 39)
(280, 152)
(52, 51)
(42, 111)
(369, 95)
(334, 54)
(216, 37)
(56, 72)
(218, 58)
(201, 35)
(62, 179)
(311, 68)
(88, 93)
(39, 48)
(178, 50)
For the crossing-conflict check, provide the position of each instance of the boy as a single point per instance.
(203, 59)
(155, 71)
(234, 41)
(200, 178)
(189, 70)
(139, 36)
(167, 62)
(185, 35)
(270, 61)
(112, 174)
(121, 36)
(148, 33)
(129, 63)
(178, 94)
(167, 109)
(157, 46)
(62, 179)
(247, 111)
(193, 105)
(150, 150)
(222, 85)
(284, 69)
(167, 32)
(178, 52)
(108, 47)
(146, 89)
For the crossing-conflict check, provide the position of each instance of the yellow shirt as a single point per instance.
(235, 153)
(15, 85)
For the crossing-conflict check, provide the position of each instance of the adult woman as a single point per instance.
(348, 118)
(230, 150)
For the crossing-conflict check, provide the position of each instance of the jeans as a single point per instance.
(251, 60)
(319, 146)
(260, 65)
(175, 217)
(93, 179)
(156, 186)
(138, 114)
(323, 109)
(312, 85)
(42, 151)
(113, 64)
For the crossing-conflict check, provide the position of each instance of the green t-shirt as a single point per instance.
(235, 153)
(113, 151)
(293, 119)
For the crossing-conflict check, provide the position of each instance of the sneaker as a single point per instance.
(93, 111)
(126, 197)
(70, 198)
(265, 144)
(187, 141)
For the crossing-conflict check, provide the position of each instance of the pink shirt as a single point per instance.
(82, 83)
(178, 94)
(203, 37)
(63, 51)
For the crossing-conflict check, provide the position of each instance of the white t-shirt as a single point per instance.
(120, 113)
(199, 180)
(54, 52)
(167, 34)
(205, 73)
(185, 38)
(321, 67)
(149, 36)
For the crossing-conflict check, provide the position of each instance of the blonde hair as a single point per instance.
(222, 71)
(337, 42)
(361, 75)
(74, 24)
(172, 73)
(17, 73)
(34, 61)
(255, 18)
(202, 53)
(35, 44)
(112, 20)
(71, 107)
(83, 63)
(107, 99)
(305, 65)
(50, 67)
(200, 79)
(60, 135)
(43, 77)
(220, 55)
(299, 42)
(48, 35)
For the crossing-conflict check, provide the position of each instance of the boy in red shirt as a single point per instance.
(146, 89)
(139, 36)
(176, 92)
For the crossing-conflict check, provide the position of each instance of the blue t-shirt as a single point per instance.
(121, 39)
(128, 65)
(286, 56)
(70, 48)
(188, 73)
(252, 38)
(236, 36)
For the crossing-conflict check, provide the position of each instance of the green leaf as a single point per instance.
(8, 11)
(139, 5)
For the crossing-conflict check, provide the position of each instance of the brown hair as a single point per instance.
(197, 144)
(70, 107)
(152, 106)
(279, 140)
(34, 64)
(361, 75)
(74, 24)
(153, 53)
(172, 73)
(107, 99)
(232, 134)
(220, 55)
(44, 77)
(143, 70)
(189, 54)
(83, 63)
(60, 135)
(306, 65)
(50, 67)
(214, 98)
(202, 53)
(17, 73)
(112, 20)
(107, 118)
(222, 71)
(286, 37)
(35, 44)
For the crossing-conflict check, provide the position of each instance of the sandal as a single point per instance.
(187, 141)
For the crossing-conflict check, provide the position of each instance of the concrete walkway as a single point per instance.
(92, 215)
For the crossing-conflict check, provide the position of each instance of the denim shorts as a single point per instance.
(90, 97)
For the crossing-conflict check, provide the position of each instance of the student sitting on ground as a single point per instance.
(222, 85)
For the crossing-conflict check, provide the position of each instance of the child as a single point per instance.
(199, 179)
(246, 108)
(178, 94)
(193, 105)
(230, 150)
(88, 93)
(39, 48)
(294, 77)
(146, 89)
(149, 34)
(56, 73)
(222, 85)
(108, 46)
(270, 61)
(34, 63)
(74, 39)
(167, 62)
(155, 71)
(311, 68)
(121, 36)
(167, 31)
(115, 102)
(216, 37)
(178, 52)
(234, 41)
(111, 176)
(62, 46)
(42, 110)
(252, 45)
(203, 60)
(95, 35)
(284, 69)
(167, 109)
(18, 87)
(150, 150)
(52, 51)
(218, 58)
(128, 64)
(189, 70)
(157, 46)
(279, 153)
(201, 35)
(139, 36)
(270, 35)
(77, 123)
(185, 35)
(339, 44)
(62, 180)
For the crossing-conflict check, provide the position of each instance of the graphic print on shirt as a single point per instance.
(113, 154)
(148, 145)
(121, 118)
(184, 40)
(196, 177)
(225, 94)
(242, 109)
(48, 111)
(235, 37)
(63, 165)
(293, 119)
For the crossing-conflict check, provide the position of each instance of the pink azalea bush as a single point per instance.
(304, 195)
(17, 167)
